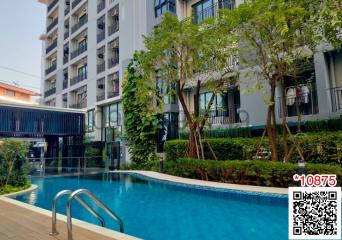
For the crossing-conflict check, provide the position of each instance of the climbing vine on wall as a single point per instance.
(141, 116)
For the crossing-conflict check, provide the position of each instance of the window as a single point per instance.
(90, 121)
(202, 10)
(111, 128)
(163, 6)
(83, 43)
(219, 106)
(164, 91)
(82, 71)
(10, 92)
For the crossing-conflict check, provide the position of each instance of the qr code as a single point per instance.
(314, 213)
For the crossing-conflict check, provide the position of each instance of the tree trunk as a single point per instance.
(284, 119)
(271, 125)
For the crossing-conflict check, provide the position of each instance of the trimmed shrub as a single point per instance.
(323, 147)
(259, 173)
(224, 148)
(330, 125)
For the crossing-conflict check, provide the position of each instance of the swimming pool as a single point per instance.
(153, 209)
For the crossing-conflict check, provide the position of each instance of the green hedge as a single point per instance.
(259, 173)
(329, 125)
(324, 147)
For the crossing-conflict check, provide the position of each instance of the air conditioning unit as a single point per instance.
(100, 55)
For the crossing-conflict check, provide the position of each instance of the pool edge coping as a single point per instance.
(76, 222)
(208, 184)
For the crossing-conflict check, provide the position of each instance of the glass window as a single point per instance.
(163, 6)
(90, 120)
(113, 115)
(202, 10)
(10, 92)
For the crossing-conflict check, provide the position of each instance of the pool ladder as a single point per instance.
(75, 195)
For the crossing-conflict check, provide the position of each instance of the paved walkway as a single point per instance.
(19, 222)
(248, 188)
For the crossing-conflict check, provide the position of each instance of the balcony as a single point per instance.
(336, 99)
(51, 5)
(77, 79)
(79, 51)
(75, 3)
(66, 10)
(52, 25)
(79, 105)
(101, 6)
(113, 94)
(65, 84)
(66, 34)
(304, 103)
(65, 59)
(113, 62)
(78, 25)
(51, 46)
(101, 67)
(113, 29)
(100, 97)
(212, 11)
(101, 36)
(50, 92)
(51, 69)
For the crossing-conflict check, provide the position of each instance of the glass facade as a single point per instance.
(111, 122)
(90, 120)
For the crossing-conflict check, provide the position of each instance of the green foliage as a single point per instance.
(221, 133)
(13, 169)
(224, 148)
(10, 189)
(334, 124)
(260, 173)
(323, 147)
(141, 118)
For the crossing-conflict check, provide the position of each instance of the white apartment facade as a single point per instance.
(88, 45)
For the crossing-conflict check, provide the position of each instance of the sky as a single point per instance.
(21, 23)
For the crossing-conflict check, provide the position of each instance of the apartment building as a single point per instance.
(88, 44)
(15, 94)
(319, 93)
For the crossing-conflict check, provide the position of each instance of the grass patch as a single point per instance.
(12, 189)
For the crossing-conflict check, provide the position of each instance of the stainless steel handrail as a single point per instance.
(54, 231)
(97, 201)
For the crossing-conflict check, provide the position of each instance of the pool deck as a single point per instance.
(228, 186)
(21, 221)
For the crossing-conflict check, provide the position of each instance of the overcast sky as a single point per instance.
(21, 23)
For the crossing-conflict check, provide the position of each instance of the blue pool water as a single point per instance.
(152, 209)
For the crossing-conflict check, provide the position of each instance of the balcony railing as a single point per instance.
(65, 59)
(50, 92)
(100, 97)
(101, 36)
(52, 25)
(113, 29)
(66, 10)
(336, 99)
(51, 46)
(78, 25)
(66, 34)
(101, 6)
(65, 84)
(78, 51)
(113, 94)
(101, 67)
(212, 10)
(113, 62)
(52, 4)
(51, 69)
(78, 79)
(75, 3)
(79, 105)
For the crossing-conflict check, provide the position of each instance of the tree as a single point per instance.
(276, 34)
(191, 57)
